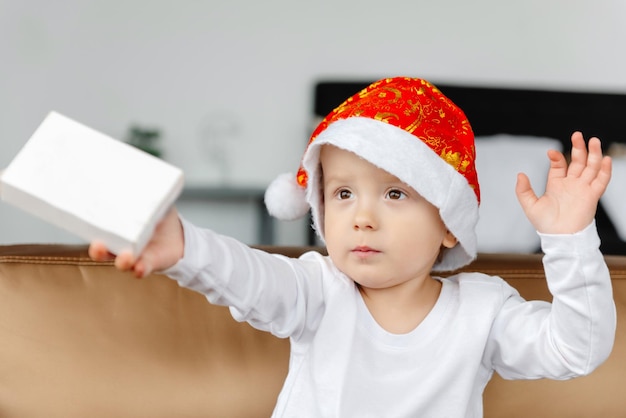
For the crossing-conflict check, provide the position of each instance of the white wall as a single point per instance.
(182, 65)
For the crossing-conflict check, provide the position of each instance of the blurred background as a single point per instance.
(228, 86)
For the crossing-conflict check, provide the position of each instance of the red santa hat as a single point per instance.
(408, 128)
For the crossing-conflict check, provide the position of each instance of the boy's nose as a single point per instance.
(365, 217)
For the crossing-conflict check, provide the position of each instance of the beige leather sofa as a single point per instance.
(80, 339)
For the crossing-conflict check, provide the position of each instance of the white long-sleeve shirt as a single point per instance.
(343, 364)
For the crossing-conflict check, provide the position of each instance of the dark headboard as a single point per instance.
(531, 112)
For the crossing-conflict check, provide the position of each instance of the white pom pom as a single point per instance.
(285, 199)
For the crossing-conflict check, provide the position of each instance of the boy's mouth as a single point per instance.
(364, 251)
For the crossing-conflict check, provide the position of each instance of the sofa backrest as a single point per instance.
(79, 338)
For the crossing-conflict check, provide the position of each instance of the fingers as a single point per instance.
(99, 252)
(601, 181)
(558, 165)
(525, 194)
(164, 249)
(595, 161)
(125, 261)
(578, 185)
(578, 155)
(591, 165)
(143, 266)
(585, 161)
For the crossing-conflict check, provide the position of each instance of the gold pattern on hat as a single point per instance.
(419, 108)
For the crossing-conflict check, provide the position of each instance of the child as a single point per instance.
(389, 177)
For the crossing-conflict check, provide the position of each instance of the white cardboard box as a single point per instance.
(90, 184)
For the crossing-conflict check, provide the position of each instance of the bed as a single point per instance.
(527, 116)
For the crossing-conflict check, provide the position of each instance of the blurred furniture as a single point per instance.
(80, 339)
(239, 195)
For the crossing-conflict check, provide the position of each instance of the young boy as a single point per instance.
(389, 177)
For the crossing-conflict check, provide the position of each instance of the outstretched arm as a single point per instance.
(163, 250)
(572, 191)
(575, 333)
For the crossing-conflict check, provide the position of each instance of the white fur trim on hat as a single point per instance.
(285, 199)
(412, 161)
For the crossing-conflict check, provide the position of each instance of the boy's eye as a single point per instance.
(344, 194)
(396, 194)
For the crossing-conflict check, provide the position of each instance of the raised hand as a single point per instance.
(163, 250)
(572, 191)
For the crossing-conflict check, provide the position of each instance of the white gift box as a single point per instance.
(90, 184)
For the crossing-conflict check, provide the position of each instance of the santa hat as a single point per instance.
(408, 128)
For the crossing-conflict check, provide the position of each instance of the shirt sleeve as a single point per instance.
(572, 335)
(272, 292)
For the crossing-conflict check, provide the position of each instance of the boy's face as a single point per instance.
(378, 230)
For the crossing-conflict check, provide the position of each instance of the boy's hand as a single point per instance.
(572, 192)
(163, 250)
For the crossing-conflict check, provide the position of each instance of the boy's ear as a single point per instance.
(449, 240)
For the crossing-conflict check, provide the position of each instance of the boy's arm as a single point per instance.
(575, 333)
(272, 292)
(260, 288)
(572, 335)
